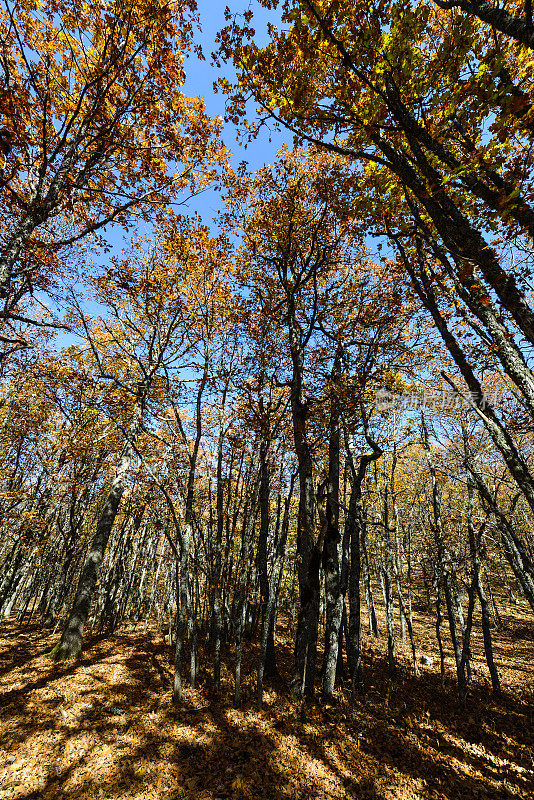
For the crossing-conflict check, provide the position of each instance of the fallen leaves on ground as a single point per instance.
(104, 727)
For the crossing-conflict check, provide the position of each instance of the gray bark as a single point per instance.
(70, 644)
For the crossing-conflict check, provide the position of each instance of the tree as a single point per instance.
(94, 130)
(436, 149)
(145, 339)
(303, 258)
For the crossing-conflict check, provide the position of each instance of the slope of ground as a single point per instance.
(105, 728)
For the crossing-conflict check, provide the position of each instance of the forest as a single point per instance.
(266, 400)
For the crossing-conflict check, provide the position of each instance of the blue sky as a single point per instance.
(201, 75)
(200, 78)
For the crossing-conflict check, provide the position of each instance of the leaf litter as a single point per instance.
(105, 727)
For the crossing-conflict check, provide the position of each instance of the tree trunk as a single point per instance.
(70, 644)
(356, 527)
(249, 519)
(308, 552)
(332, 576)
(474, 548)
(268, 667)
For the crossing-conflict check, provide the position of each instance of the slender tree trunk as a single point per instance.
(217, 577)
(182, 591)
(270, 612)
(70, 644)
(474, 548)
(499, 433)
(387, 570)
(268, 668)
(368, 587)
(309, 563)
(249, 519)
(438, 628)
(356, 531)
(354, 651)
(332, 576)
(449, 604)
(513, 548)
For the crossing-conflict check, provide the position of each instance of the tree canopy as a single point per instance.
(303, 424)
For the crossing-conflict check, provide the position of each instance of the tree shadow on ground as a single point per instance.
(403, 738)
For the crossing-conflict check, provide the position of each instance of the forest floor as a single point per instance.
(105, 727)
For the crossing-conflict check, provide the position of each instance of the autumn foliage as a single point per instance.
(269, 476)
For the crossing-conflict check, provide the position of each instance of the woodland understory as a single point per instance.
(105, 727)
(267, 479)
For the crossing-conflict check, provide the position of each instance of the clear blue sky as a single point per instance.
(200, 78)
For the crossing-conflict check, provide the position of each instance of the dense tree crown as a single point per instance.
(311, 412)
